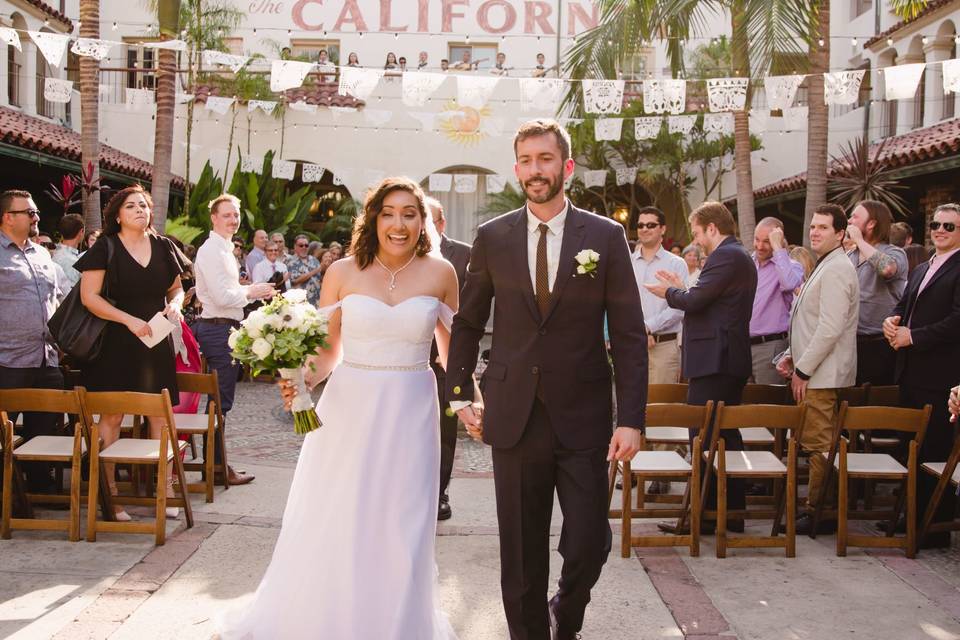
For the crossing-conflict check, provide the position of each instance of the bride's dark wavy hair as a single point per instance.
(365, 243)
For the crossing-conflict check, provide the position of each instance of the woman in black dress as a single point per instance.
(143, 277)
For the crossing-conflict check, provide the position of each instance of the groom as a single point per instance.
(547, 387)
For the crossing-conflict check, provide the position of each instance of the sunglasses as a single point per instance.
(302, 245)
(949, 227)
(648, 225)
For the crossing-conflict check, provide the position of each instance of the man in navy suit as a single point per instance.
(716, 357)
(923, 330)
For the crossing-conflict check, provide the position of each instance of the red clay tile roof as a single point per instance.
(919, 145)
(53, 13)
(39, 135)
(932, 6)
(323, 94)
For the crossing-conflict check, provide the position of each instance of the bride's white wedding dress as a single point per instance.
(355, 556)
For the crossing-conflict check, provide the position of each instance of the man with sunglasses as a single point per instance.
(305, 269)
(923, 330)
(28, 297)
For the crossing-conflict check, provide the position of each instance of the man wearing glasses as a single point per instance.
(304, 270)
(923, 330)
(28, 297)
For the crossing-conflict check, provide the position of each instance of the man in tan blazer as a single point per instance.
(822, 356)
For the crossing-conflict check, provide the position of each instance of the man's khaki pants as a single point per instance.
(664, 360)
(816, 438)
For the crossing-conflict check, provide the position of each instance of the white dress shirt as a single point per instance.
(265, 269)
(554, 242)
(218, 279)
(657, 314)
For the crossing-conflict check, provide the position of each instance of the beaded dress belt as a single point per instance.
(423, 366)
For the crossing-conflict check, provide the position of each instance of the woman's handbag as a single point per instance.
(77, 331)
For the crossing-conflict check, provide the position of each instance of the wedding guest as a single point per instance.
(719, 304)
(143, 277)
(540, 70)
(403, 64)
(923, 330)
(28, 291)
(806, 258)
(444, 65)
(326, 68)
(675, 250)
(281, 243)
(315, 249)
(353, 60)
(223, 299)
(256, 253)
(901, 234)
(47, 243)
(89, 238)
(391, 62)
(305, 269)
(70, 228)
(777, 278)
(422, 62)
(326, 260)
(882, 271)
(273, 269)
(822, 357)
(458, 254)
(691, 256)
(336, 249)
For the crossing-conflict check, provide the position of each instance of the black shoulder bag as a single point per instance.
(77, 331)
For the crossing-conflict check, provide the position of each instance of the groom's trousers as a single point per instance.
(448, 432)
(525, 477)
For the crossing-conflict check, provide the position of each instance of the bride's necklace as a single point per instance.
(393, 274)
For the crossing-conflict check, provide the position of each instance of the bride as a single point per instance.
(355, 556)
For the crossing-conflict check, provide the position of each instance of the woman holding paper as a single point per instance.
(141, 272)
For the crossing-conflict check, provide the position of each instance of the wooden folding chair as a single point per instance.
(158, 453)
(12, 482)
(209, 424)
(949, 477)
(665, 464)
(878, 466)
(754, 465)
(56, 449)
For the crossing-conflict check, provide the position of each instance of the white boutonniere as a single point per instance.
(587, 261)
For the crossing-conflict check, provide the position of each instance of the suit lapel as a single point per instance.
(521, 266)
(948, 266)
(445, 248)
(573, 234)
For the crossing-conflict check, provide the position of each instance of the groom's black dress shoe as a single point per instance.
(555, 632)
(443, 510)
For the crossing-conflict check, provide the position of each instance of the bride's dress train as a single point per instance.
(355, 556)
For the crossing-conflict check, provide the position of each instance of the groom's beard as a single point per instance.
(554, 187)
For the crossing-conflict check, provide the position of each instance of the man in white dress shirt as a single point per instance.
(223, 299)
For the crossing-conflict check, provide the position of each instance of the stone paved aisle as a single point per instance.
(123, 587)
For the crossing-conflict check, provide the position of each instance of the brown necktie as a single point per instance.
(543, 277)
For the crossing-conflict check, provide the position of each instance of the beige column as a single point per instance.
(906, 108)
(936, 50)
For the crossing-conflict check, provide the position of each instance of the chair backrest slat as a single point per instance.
(888, 418)
(659, 393)
(197, 382)
(126, 402)
(670, 414)
(766, 394)
(885, 396)
(39, 400)
(854, 396)
(769, 416)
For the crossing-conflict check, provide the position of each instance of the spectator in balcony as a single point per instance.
(500, 68)
(304, 269)
(391, 62)
(353, 60)
(466, 64)
(422, 62)
(70, 228)
(324, 65)
(403, 64)
(256, 254)
(444, 65)
(540, 70)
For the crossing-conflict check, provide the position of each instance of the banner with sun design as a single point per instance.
(467, 126)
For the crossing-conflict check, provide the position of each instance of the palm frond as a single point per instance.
(908, 9)
(777, 27)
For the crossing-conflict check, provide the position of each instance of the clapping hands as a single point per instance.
(667, 280)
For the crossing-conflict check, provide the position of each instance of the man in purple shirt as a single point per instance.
(778, 276)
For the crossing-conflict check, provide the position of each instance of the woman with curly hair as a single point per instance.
(379, 411)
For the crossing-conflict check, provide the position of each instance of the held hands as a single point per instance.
(954, 403)
(472, 418)
(624, 444)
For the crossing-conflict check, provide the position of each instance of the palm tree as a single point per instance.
(90, 117)
(908, 9)
(168, 17)
(818, 116)
(761, 29)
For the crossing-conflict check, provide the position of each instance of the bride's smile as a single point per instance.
(399, 226)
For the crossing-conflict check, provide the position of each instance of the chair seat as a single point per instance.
(191, 422)
(16, 442)
(757, 436)
(936, 468)
(751, 462)
(668, 435)
(49, 447)
(137, 449)
(880, 463)
(658, 461)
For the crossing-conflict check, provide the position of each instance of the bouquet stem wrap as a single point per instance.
(304, 417)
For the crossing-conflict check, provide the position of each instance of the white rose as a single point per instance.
(254, 324)
(233, 338)
(581, 269)
(261, 348)
(295, 296)
(594, 256)
(583, 257)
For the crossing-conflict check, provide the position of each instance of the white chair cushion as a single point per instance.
(756, 436)
(668, 435)
(16, 442)
(136, 448)
(54, 446)
(749, 462)
(870, 463)
(938, 467)
(192, 422)
(659, 461)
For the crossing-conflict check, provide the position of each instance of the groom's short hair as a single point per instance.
(542, 127)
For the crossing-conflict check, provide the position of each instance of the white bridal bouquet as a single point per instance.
(279, 336)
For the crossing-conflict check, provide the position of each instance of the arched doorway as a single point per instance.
(465, 211)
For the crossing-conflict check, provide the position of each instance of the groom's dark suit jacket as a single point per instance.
(563, 352)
